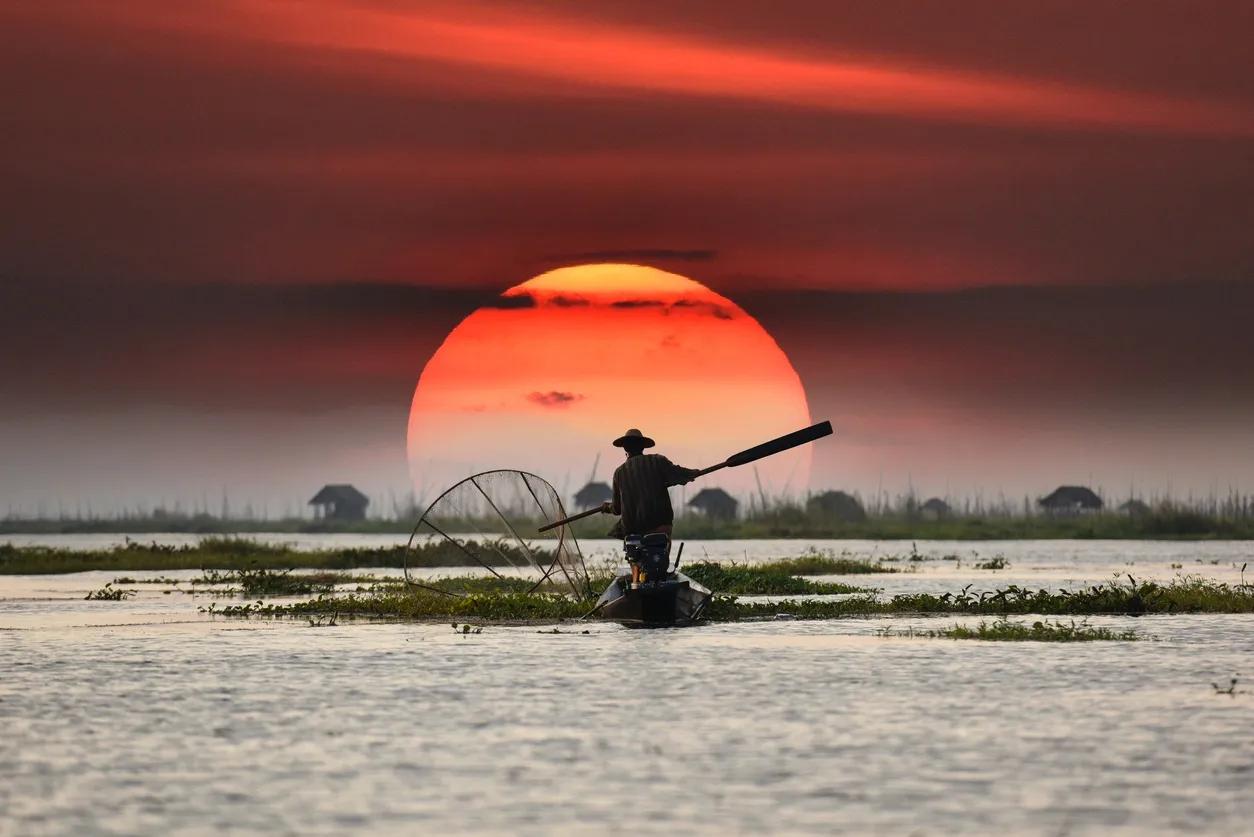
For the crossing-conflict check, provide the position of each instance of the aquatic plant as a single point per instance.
(497, 600)
(159, 580)
(1005, 630)
(816, 562)
(1184, 595)
(419, 605)
(997, 562)
(263, 582)
(109, 593)
(1230, 690)
(220, 553)
(761, 579)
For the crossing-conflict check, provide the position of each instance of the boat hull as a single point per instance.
(674, 603)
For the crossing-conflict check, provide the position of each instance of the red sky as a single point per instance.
(243, 227)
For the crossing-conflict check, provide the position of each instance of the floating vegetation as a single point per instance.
(222, 553)
(499, 601)
(1185, 595)
(109, 593)
(1230, 690)
(997, 562)
(815, 562)
(760, 579)
(1005, 630)
(263, 582)
(419, 605)
(162, 580)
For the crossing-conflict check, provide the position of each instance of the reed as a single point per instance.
(880, 517)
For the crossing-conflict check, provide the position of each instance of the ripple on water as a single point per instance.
(165, 721)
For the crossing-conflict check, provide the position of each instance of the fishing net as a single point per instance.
(490, 521)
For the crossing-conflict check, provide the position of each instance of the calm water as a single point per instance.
(144, 716)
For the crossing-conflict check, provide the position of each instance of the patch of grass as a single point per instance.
(496, 600)
(997, 562)
(417, 605)
(109, 593)
(760, 579)
(263, 582)
(221, 553)
(1004, 630)
(814, 562)
(1185, 595)
(159, 580)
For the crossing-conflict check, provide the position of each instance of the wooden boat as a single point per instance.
(674, 602)
(664, 598)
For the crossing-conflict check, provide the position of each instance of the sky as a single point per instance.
(1004, 245)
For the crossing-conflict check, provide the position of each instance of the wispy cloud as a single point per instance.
(554, 398)
(638, 303)
(543, 45)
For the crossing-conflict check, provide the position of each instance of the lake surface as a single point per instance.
(145, 716)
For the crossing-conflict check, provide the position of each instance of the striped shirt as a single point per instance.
(640, 494)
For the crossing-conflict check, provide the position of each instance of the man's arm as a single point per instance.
(678, 475)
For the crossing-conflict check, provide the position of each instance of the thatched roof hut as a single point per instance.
(715, 503)
(1071, 499)
(837, 504)
(935, 509)
(340, 502)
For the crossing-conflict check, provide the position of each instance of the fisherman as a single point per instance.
(640, 494)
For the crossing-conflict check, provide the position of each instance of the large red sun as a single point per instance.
(567, 361)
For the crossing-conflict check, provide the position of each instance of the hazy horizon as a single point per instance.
(958, 421)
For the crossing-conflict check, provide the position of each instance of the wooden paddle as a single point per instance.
(753, 454)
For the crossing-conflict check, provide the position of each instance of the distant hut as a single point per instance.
(837, 504)
(1135, 508)
(340, 502)
(715, 503)
(1071, 499)
(935, 509)
(593, 494)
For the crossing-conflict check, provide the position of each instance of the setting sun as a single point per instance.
(569, 359)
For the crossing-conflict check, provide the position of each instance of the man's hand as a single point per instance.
(607, 507)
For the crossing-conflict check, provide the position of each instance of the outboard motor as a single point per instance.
(652, 553)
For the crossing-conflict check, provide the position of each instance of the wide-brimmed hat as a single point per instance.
(634, 436)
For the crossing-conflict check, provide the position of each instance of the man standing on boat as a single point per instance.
(640, 485)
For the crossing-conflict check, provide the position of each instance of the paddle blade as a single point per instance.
(783, 443)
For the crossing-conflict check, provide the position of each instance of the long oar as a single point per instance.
(753, 454)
